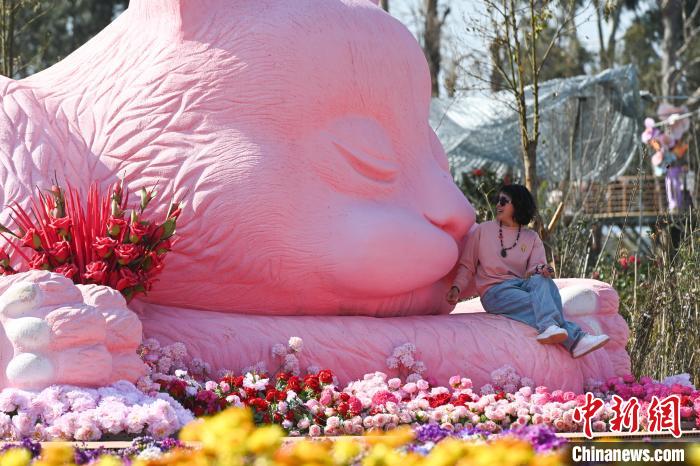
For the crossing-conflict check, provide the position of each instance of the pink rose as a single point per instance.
(103, 246)
(115, 226)
(31, 239)
(40, 261)
(126, 253)
(61, 225)
(67, 270)
(96, 272)
(127, 279)
(60, 251)
(138, 231)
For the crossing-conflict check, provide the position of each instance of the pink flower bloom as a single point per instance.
(394, 383)
(314, 430)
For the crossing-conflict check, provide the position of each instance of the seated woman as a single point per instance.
(512, 275)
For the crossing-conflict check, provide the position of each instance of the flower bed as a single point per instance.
(178, 389)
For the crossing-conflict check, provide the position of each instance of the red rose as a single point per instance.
(383, 397)
(60, 251)
(439, 400)
(115, 226)
(4, 259)
(138, 231)
(68, 270)
(103, 246)
(325, 376)
(96, 271)
(40, 261)
(126, 253)
(312, 382)
(154, 264)
(462, 399)
(31, 239)
(127, 279)
(623, 262)
(343, 408)
(477, 172)
(294, 384)
(355, 405)
(61, 225)
(271, 395)
(344, 396)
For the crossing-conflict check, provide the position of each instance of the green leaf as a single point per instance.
(168, 229)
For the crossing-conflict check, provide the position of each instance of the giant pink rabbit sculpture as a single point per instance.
(317, 196)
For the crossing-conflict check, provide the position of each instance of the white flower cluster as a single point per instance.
(404, 360)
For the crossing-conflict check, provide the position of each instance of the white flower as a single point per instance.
(254, 381)
(296, 344)
(291, 395)
(279, 350)
(150, 453)
(180, 373)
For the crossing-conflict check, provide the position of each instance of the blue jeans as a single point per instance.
(534, 301)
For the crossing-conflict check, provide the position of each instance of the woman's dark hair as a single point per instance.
(524, 207)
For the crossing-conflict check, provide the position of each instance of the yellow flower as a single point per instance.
(393, 438)
(305, 452)
(16, 457)
(56, 454)
(109, 460)
(265, 440)
(693, 454)
(345, 449)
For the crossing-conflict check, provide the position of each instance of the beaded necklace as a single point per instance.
(500, 237)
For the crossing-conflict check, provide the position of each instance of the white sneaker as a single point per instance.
(553, 334)
(589, 343)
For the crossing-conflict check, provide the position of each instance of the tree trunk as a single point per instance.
(672, 22)
(431, 42)
(530, 165)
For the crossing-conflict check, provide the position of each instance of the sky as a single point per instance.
(457, 37)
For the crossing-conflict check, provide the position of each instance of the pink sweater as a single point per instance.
(482, 256)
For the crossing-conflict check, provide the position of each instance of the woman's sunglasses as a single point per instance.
(501, 201)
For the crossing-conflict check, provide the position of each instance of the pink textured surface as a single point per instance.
(297, 134)
(297, 130)
(471, 344)
(92, 335)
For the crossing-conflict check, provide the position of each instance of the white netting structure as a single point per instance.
(589, 127)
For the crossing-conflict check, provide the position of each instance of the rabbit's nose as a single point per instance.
(445, 206)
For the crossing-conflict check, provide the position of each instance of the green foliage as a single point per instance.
(46, 31)
(659, 300)
(481, 186)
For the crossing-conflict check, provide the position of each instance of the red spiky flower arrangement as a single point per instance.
(98, 244)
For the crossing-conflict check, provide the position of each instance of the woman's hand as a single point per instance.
(453, 295)
(545, 270)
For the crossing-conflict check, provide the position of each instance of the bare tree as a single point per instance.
(16, 16)
(520, 37)
(680, 30)
(432, 41)
(610, 13)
